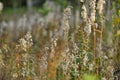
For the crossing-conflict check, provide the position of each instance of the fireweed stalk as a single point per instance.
(66, 27)
(52, 62)
(86, 35)
(100, 6)
(69, 65)
(92, 18)
(92, 5)
(100, 12)
(100, 30)
(25, 46)
(65, 22)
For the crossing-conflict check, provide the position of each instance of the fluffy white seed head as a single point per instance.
(23, 43)
(87, 28)
(100, 6)
(84, 13)
(26, 42)
(92, 10)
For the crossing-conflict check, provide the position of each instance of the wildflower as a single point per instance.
(26, 42)
(66, 27)
(23, 43)
(90, 67)
(76, 48)
(15, 75)
(96, 25)
(53, 46)
(87, 28)
(84, 13)
(100, 6)
(92, 10)
(67, 12)
(28, 38)
(105, 57)
(103, 78)
(85, 60)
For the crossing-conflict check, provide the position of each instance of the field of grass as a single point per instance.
(56, 49)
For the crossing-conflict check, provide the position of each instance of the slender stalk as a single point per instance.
(94, 41)
(100, 29)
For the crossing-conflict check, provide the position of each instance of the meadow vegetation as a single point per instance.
(88, 49)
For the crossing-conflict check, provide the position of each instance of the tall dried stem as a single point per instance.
(100, 29)
(86, 34)
(92, 18)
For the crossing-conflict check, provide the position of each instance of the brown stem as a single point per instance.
(94, 45)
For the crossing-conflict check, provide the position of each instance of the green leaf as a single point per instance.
(89, 76)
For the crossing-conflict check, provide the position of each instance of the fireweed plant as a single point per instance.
(87, 55)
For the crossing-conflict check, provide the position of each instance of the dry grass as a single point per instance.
(61, 52)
